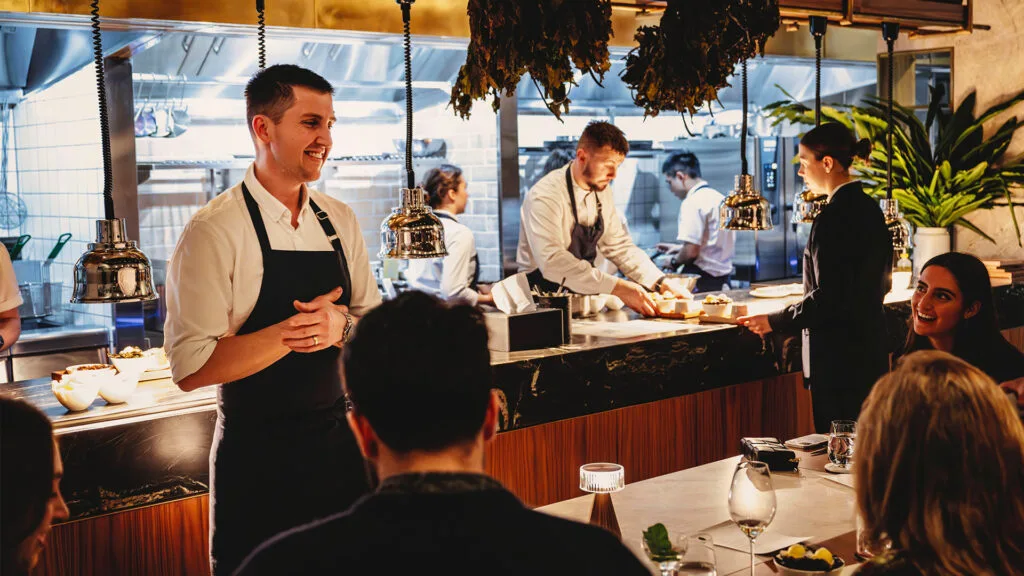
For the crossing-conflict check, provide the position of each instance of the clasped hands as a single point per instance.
(319, 324)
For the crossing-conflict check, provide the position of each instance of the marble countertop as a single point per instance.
(696, 500)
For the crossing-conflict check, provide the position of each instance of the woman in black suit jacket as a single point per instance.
(847, 272)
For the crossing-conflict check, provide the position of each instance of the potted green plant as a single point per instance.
(937, 185)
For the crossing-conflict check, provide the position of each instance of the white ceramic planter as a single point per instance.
(928, 243)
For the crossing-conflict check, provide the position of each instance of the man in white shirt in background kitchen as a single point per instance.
(704, 249)
(10, 300)
(263, 290)
(569, 215)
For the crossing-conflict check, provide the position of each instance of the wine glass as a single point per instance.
(752, 501)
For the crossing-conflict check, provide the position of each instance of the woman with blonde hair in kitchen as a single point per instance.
(940, 471)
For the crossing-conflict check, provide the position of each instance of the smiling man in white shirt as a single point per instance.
(569, 215)
(263, 290)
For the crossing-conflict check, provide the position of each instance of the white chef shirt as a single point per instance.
(10, 294)
(545, 233)
(449, 277)
(215, 273)
(699, 224)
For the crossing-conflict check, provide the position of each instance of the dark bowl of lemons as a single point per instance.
(799, 560)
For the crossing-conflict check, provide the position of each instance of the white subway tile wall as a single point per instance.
(56, 166)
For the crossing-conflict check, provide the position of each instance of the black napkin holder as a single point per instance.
(771, 452)
(541, 328)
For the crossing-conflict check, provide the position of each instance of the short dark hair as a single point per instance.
(685, 162)
(431, 393)
(835, 140)
(269, 92)
(26, 474)
(558, 158)
(599, 134)
(439, 181)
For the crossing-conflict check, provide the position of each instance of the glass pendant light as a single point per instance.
(113, 269)
(411, 230)
(808, 204)
(899, 228)
(745, 208)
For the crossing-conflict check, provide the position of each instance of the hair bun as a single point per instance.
(862, 149)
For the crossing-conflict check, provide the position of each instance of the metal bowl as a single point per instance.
(687, 280)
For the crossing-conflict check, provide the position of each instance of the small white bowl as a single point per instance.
(120, 387)
(795, 572)
(74, 395)
(715, 309)
(666, 306)
(614, 302)
(97, 376)
(134, 365)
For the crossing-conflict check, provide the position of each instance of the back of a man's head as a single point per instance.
(600, 134)
(419, 371)
(270, 92)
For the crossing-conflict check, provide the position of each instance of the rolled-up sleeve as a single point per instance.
(542, 222)
(456, 269)
(199, 297)
(617, 246)
(365, 295)
(10, 294)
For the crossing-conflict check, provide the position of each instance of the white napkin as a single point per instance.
(512, 295)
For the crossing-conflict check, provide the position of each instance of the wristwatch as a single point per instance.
(657, 285)
(346, 335)
(2, 342)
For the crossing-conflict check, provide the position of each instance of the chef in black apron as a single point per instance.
(569, 215)
(457, 275)
(263, 290)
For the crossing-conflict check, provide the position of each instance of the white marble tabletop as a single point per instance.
(696, 500)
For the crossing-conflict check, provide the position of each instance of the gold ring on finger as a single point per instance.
(316, 341)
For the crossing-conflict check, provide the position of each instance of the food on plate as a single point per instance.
(73, 394)
(798, 557)
(89, 367)
(716, 304)
(129, 352)
(717, 299)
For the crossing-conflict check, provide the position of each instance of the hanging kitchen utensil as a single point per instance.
(899, 228)
(261, 33)
(145, 124)
(19, 245)
(182, 119)
(411, 230)
(745, 208)
(12, 208)
(113, 269)
(61, 241)
(808, 204)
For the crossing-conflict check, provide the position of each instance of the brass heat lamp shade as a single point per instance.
(745, 208)
(412, 230)
(807, 205)
(113, 269)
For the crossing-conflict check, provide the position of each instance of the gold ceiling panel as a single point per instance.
(292, 13)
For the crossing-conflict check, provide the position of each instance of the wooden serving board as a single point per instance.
(684, 316)
(718, 319)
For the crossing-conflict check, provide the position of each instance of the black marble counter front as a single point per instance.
(155, 448)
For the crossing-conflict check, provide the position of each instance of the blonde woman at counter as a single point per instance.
(569, 215)
(10, 299)
(263, 290)
(456, 276)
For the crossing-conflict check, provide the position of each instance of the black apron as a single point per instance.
(282, 453)
(474, 283)
(584, 239)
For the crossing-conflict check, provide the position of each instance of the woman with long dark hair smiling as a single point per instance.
(30, 473)
(952, 310)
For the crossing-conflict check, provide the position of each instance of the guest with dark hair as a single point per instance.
(704, 249)
(30, 473)
(939, 469)
(425, 431)
(457, 275)
(569, 216)
(847, 272)
(952, 310)
(558, 158)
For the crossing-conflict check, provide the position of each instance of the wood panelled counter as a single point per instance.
(136, 475)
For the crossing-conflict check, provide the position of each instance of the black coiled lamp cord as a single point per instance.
(406, 16)
(101, 90)
(261, 32)
(890, 31)
(743, 133)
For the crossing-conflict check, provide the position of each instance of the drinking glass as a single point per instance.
(841, 443)
(699, 557)
(752, 501)
(667, 563)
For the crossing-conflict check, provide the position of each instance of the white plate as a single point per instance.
(778, 291)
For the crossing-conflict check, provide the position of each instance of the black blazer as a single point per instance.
(847, 272)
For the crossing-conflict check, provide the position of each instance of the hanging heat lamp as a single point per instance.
(113, 269)
(899, 228)
(411, 230)
(808, 204)
(261, 33)
(745, 208)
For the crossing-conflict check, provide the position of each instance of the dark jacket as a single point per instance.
(847, 272)
(443, 524)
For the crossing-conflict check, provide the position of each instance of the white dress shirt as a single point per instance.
(10, 294)
(699, 224)
(449, 277)
(215, 273)
(545, 233)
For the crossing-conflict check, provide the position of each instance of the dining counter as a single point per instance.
(809, 504)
